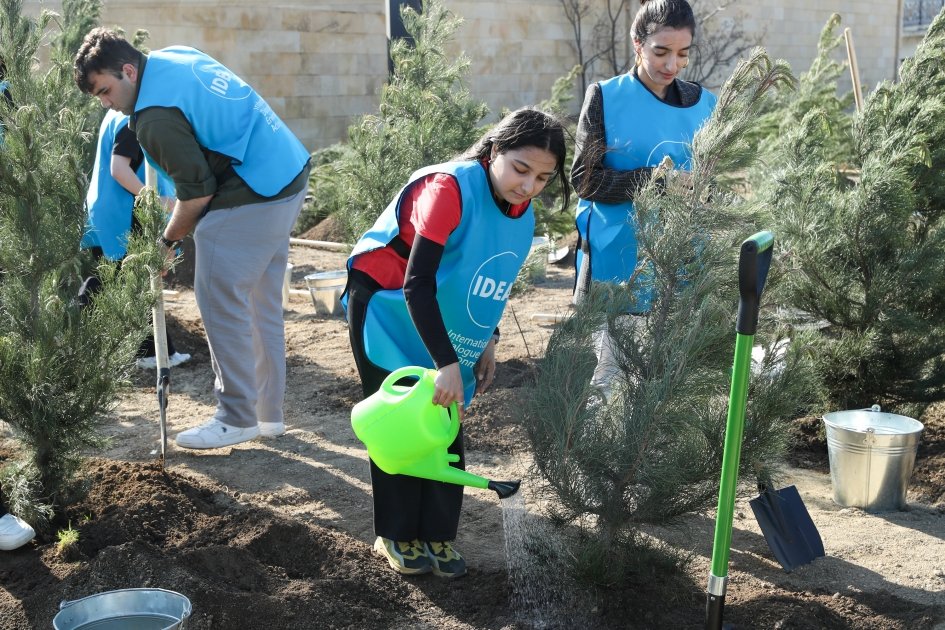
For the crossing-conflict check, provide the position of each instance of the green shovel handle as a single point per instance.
(753, 263)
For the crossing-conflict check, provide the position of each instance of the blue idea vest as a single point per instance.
(108, 204)
(226, 114)
(640, 130)
(481, 259)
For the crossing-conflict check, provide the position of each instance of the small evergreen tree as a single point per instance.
(868, 256)
(426, 116)
(59, 364)
(653, 451)
(816, 90)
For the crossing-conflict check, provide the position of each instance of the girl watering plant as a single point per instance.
(427, 285)
(628, 125)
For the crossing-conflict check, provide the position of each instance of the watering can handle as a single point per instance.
(753, 263)
(399, 373)
(418, 373)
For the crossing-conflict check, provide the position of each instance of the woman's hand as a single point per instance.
(448, 386)
(485, 367)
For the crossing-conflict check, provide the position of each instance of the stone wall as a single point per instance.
(321, 64)
(792, 29)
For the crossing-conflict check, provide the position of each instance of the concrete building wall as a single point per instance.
(322, 63)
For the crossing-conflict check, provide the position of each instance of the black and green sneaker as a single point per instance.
(445, 560)
(408, 558)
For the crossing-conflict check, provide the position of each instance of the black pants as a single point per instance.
(405, 508)
(92, 285)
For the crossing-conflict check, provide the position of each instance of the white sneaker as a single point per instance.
(14, 532)
(150, 363)
(177, 358)
(271, 429)
(215, 434)
(147, 363)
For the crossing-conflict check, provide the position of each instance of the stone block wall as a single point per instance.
(791, 31)
(322, 63)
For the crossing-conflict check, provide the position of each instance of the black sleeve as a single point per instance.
(420, 293)
(126, 145)
(589, 177)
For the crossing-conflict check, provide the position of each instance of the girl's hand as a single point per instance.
(485, 367)
(449, 386)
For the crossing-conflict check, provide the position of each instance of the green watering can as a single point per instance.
(407, 434)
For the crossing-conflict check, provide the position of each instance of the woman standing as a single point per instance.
(427, 286)
(628, 125)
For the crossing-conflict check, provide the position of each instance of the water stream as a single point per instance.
(534, 556)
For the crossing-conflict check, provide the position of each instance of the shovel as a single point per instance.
(753, 263)
(160, 353)
(160, 335)
(787, 526)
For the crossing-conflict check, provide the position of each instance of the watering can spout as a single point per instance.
(437, 469)
(505, 489)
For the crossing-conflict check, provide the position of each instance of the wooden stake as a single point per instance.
(326, 245)
(160, 335)
(854, 69)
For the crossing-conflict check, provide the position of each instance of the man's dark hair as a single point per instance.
(103, 51)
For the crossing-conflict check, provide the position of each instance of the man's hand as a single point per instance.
(169, 248)
(184, 217)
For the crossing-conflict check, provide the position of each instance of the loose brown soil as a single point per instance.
(277, 533)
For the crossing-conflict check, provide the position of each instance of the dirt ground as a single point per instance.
(277, 533)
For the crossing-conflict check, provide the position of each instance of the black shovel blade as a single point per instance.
(787, 527)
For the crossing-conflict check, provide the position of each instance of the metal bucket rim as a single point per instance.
(68, 607)
(831, 420)
(327, 275)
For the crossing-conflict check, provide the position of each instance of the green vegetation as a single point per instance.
(426, 116)
(67, 543)
(60, 364)
(652, 451)
(858, 202)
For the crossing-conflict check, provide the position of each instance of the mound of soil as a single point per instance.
(328, 229)
(241, 566)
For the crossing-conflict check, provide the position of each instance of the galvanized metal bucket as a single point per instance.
(326, 288)
(125, 609)
(871, 457)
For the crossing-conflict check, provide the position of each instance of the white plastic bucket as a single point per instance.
(326, 288)
(126, 609)
(871, 457)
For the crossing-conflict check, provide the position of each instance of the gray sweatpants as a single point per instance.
(238, 276)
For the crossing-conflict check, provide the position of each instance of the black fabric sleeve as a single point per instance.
(420, 294)
(589, 177)
(126, 145)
